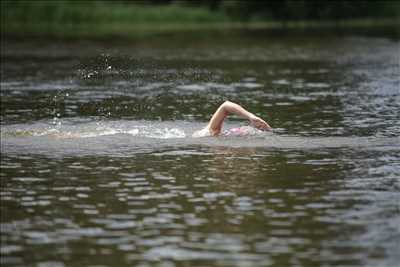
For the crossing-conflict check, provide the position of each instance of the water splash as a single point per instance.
(67, 129)
(85, 136)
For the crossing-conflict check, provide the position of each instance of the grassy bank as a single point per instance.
(102, 19)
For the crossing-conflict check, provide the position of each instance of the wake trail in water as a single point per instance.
(85, 136)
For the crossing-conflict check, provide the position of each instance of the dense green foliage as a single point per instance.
(64, 11)
(78, 17)
(313, 9)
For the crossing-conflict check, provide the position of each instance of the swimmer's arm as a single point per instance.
(228, 107)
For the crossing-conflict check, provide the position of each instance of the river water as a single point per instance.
(99, 166)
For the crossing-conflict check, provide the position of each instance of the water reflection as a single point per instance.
(132, 206)
(98, 166)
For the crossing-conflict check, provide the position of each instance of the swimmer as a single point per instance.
(214, 127)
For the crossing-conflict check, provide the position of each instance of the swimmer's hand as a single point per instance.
(259, 123)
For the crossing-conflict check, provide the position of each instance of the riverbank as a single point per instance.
(105, 20)
(142, 30)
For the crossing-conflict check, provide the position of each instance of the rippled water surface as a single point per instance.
(99, 166)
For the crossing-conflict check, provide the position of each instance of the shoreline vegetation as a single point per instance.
(140, 19)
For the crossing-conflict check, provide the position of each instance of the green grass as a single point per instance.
(100, 18)
(106, 19)
(78, 12)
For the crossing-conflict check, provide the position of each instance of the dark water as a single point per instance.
(98, 166)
